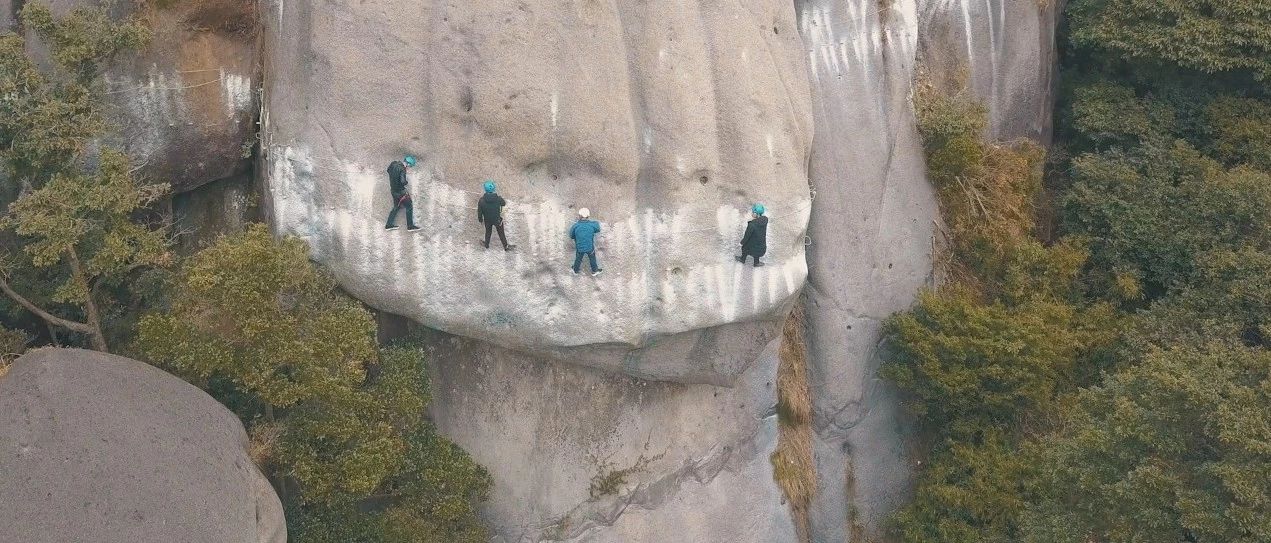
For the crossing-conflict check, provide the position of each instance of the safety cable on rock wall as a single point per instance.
(806, 239)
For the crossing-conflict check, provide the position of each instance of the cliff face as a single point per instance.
(639, 405)
(184, 107)
(875, 214)
(666, 119)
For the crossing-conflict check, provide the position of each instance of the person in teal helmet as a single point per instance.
(490, 213)
(754, 242)
(401, 198)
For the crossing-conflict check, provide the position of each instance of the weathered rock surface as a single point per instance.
(185, 106)
(667, 119)
(96, 447)
(686, 462)
(874, 217)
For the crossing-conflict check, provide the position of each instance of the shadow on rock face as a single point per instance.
(97, 447)
(666, 120)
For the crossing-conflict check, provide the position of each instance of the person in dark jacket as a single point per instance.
(401, 198)
(584, 235)
(755, 241)
(490, 212)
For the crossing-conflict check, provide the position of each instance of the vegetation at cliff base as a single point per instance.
(1105, 378)
(336, 420)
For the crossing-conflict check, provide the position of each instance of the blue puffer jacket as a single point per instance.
(584, 235)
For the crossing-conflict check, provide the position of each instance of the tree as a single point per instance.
(337, 421)
(1150, 213)
(1204, 35)
(1176, 448)
(78, 214)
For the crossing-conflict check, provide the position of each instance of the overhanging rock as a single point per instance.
(666, 119)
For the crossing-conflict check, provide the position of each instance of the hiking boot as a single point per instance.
(392, 227)
(597, 272)
(508, 247)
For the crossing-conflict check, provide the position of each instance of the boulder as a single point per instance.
(97, 447)
(667, 119)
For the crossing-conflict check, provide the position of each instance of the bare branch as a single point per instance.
(45, 315)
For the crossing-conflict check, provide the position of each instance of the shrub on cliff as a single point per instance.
(77, 229)
(337, 421)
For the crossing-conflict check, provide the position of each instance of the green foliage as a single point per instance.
(1240, 131)
(987, 191)
(78, 215)
(1157, 301)
(1175, 448)
(1109, 115)
(1151, 213)
(1204, 35)
(971, 491)
(256, 323)
(86, 38)
(973, 365)
(89, 217)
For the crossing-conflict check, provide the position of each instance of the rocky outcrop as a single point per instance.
(667, 119)
(96, 447)
(184, 107)
(875, 214)
(579, 455)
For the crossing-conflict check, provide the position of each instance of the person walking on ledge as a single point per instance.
(584, 235)
(490, 212)
(401, 198)
(755, 241)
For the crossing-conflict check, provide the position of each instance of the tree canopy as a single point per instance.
(337, 420)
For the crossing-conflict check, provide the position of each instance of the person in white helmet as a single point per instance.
(584, 235)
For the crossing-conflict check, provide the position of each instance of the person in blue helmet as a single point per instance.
(755, 241)
(401, 198)
(584, 235)
(490, 213)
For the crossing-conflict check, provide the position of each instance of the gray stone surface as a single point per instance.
(871, 231)
(1003, 51)
(101, 448)
(666, 118)
(874, 215)
(185, 106)
(546, 430)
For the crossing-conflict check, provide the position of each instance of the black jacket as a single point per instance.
(755, 240)
(490, 208)
(397, 179)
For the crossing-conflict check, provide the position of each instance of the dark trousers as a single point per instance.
(403, 202)
(591, 257)
(495, 226)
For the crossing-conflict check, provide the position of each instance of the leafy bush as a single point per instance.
(259, 326)
(1172, 449)
(1204, 35)
(987, 191)
(1153, 212)
(1241, 131)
